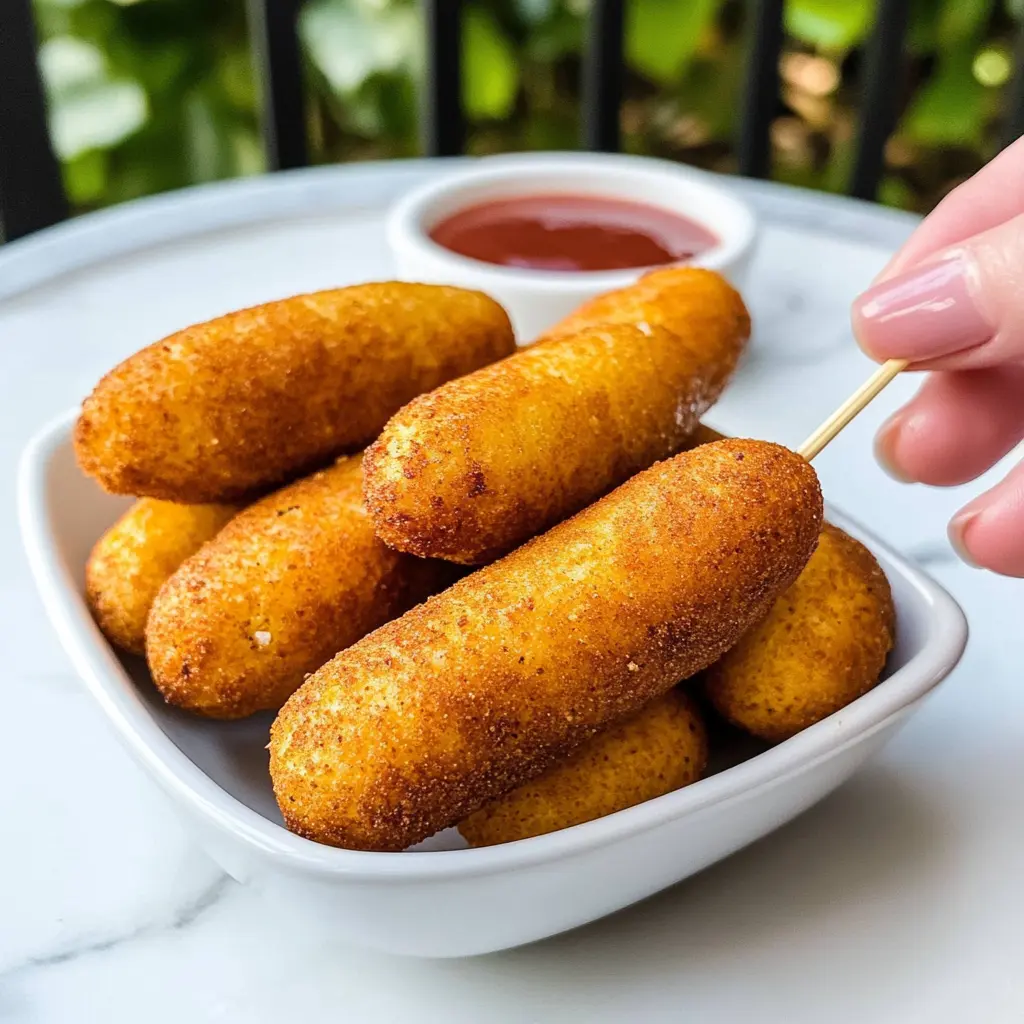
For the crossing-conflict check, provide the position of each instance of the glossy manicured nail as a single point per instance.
(957, 533)
(922, 314)
(885, 441)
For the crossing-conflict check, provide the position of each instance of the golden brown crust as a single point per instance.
(286, 585)
(134, 558)
(823, 645)
(473, 469)
(504, 674)
(232, 407)
(659, 298)
(662, 748)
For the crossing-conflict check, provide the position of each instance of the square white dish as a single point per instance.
(452, 902)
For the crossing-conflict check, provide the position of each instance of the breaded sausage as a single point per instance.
(659, 298)
(286, 585)
(662, 748)
(823, 645)
(243, 403)
(473, 469)
(502, 676)
(131, 561)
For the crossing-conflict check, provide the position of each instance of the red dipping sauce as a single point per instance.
(572, 233)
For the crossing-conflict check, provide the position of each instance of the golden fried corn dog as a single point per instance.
(286, 585)
(661, 748)
(823, 645)
(659, 298)
(131, 561)
(474, 468)
(250, 400)
(502, 676)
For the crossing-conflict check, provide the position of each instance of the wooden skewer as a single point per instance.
(849, 409)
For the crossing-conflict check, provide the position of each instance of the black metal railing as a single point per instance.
(32, 197)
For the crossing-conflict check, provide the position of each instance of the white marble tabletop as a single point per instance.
(898, 899)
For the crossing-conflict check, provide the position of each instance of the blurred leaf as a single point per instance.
(962, 21)
(348, 42)
(85, 177)
(209, 153)
(68, 64)
(1015, 9)
(924, 19)
(662, 35)
(829, 24)
(235, 75)
(399, 115)
(533, 12)
(490, 72)
(169, 68)
(557, 38)
(96, 117)
(549, 131)
(894, 191)
(249, 157)
(949, 109)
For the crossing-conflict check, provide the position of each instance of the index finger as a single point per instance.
(992, 196)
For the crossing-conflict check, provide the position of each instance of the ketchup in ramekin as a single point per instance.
(571, 233)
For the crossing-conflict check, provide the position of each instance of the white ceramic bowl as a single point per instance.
(454, 901)
(537, 299)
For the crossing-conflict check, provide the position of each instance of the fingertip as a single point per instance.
(958, 541)
(886, 454)
(989, 533)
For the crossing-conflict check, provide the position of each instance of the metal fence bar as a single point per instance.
(275, 46)
(603, 76)
(1013, 123)
(880, 95)
(760, 89)
(444, 125)
(31, 190)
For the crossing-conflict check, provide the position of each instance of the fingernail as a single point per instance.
(957, 533)
(921, 314)
(885, 456)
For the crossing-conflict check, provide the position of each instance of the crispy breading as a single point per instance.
(233, 407)
(502, 676)
(662, 748)
(134, 558)
(662, 298)
(473, 469)
(287, 584)
(823, 645)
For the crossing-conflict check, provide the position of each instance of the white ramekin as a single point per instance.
(537, 299)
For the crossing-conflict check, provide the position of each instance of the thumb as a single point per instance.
(961, 309)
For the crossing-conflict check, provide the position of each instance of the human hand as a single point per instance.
(952, 302)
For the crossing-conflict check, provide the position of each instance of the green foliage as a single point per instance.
(829, 24)
(490, 73)
(662, 35)
(147, 95)
(949, 110)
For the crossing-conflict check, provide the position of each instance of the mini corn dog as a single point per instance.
(493, 682)
(474, 468)
(659, 298)
(661, 748)
(823, 645)
(287, 584)
(134, 558)
(243, 403)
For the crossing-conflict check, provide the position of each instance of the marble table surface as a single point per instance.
(898, 899)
